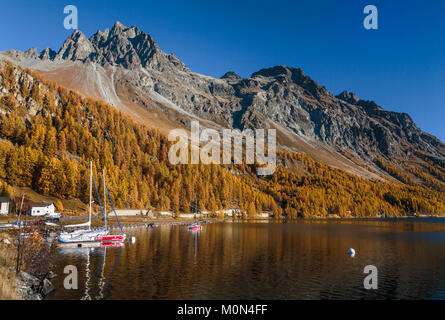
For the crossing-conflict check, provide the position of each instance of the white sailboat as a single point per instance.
(83, 235)
(109, 239)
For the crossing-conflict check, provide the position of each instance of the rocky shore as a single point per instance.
(30, 287)
(22, 285)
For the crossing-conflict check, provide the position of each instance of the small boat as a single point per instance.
(21, 224)
(152, 225)
(195, 226)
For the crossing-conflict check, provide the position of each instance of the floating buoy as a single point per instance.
(133, 239)
(351, 252)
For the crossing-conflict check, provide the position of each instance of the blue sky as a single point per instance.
(401, 65)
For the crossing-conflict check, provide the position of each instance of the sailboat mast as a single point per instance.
(196, 208)
(91, 183)
(105, 199)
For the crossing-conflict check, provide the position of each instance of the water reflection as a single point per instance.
(297, 260)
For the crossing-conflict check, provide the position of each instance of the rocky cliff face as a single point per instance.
(128, 63)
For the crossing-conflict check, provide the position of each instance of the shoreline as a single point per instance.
(162, 220)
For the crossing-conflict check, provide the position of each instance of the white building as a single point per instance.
(42, 209)
(187, 215)
(4, 205)
(265, 214)
(166, 213)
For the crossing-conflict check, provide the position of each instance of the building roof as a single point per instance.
(4, 199)
(41, 204)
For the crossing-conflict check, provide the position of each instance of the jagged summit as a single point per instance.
(286, 74)
(118, 25)
(370, 107)
(278, 71)
(32, 52)
(230, 75)
(123, 46)
(47, 54)
(348, 97)
(76, 47)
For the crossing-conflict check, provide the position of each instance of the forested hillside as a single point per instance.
(49, 134)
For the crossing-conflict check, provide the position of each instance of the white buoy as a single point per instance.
(351, 252)
(133, 239)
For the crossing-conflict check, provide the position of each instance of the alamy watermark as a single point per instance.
(71, 20)
(70, 282)
(371, 20)
(205, 147)
(371, 280)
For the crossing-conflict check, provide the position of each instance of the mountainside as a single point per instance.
(48, 134)
(126, 68)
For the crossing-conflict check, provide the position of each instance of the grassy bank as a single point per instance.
(8, 277)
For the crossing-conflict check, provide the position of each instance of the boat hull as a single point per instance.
(81, 236)
(110, 237)
(112, 244)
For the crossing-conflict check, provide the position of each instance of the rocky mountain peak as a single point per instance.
(230, 75)
(47, 54)
(287, 75)
(123, 46)
(31, 53)
(76, 47)
(122, 31)
(100, 37)
(348, 97)
(130, 48)
(370, 107)
(275, 72)
(118, 26)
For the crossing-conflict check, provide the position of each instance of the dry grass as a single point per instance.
(72, 205)
(8, 289)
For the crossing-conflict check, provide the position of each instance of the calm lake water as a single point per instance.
(295, 260)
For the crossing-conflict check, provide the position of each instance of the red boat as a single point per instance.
(195, 226)
(112, 244)
(111, 237)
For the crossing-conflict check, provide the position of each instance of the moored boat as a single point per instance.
(81, 235)
(89, 235)
(195, 226)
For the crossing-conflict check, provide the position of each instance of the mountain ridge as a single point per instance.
(125, 67)
(49, 134)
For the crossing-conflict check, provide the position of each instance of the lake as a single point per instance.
(264, 260)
